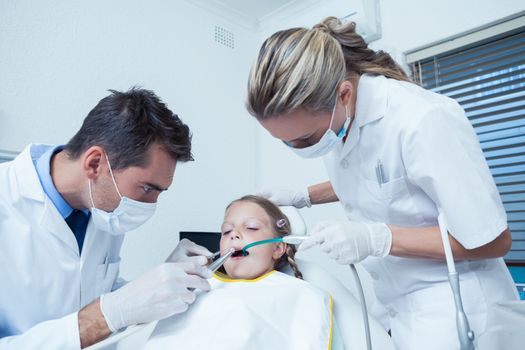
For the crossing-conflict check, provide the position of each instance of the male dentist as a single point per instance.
(63, 215)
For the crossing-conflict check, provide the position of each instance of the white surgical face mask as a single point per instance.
(327, 142)
(127, 216)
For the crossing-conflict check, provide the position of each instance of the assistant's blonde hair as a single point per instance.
(302, 68)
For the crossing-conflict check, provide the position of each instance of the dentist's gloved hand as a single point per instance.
(298, 199)
(186, 250)
(349, 242)
(159, 293)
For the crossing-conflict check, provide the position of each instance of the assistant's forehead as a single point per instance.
(293, 125)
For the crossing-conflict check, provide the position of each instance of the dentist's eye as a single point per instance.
(147, 189)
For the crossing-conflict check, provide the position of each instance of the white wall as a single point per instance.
(410, 24)
(58, 58)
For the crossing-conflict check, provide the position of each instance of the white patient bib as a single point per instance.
(274, 311)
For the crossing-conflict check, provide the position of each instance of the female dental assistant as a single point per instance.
(396, 154)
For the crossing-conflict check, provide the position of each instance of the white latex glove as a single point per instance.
(159, 293)
(298, 199)
(186, 250)
(349, 242)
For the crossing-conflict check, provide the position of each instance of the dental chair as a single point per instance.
(346, 309)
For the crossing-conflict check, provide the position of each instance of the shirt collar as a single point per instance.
(371, 102)
(43, 169)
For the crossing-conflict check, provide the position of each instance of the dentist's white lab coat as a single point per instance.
(430, 157)
(43, 280)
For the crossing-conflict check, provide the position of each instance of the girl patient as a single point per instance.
(251, 304)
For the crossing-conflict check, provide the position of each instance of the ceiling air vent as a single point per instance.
(224, 37)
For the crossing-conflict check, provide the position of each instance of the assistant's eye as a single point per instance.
(301, 143)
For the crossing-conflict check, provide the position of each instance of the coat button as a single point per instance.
(392, 312)
(374, 275)
(344, 163)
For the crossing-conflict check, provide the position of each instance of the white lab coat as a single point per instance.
(430, 157)
(43, 280)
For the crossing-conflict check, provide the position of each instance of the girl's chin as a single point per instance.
(244, 273)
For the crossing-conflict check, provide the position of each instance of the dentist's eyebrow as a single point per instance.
(155, 187)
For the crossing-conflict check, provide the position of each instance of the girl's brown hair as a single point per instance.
(280, 226)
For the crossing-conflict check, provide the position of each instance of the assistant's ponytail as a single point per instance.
(359, 58)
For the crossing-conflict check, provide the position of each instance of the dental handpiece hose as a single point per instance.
(465, 334)
(364, 310)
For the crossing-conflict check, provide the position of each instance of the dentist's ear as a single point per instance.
(278, 250)
(93, 161)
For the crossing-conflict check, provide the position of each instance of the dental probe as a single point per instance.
(214, 266)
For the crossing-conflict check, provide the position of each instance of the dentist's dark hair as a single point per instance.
(127, 124)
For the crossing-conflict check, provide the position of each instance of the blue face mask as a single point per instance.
(327, 143)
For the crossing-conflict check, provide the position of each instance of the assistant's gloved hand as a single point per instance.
(159, 293)
(349, 242)
(186, 250)
(298, 199)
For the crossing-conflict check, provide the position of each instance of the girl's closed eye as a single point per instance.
(253, 225)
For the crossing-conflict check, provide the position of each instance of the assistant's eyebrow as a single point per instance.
(303, 138)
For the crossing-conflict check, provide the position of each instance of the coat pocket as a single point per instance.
(107, 274)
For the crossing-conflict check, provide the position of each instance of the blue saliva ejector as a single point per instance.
(290, 239)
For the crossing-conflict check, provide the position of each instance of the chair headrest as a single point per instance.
(296, 220)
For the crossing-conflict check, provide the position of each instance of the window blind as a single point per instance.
(488, 79)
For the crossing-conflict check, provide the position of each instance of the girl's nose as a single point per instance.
(236, 235)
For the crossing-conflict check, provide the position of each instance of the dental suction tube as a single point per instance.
(465, 334)
(363, 307)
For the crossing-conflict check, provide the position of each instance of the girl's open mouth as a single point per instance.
(239, 254)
